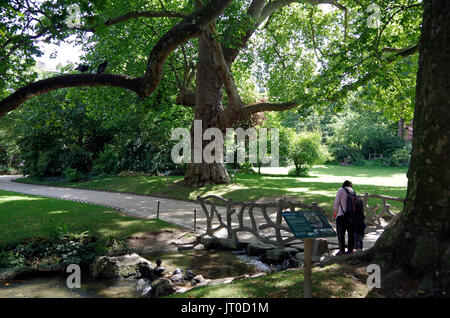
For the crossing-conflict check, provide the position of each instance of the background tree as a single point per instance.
(307, 150)
(414, 252)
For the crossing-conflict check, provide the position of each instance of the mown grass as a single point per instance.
(25, 217)
(335, 281)
(320, 187)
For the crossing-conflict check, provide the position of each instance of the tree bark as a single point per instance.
(416, 247)
(208, 107)
(401, 128)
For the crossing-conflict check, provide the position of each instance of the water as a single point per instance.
(208, 263)
(53, 285)
(254, 261)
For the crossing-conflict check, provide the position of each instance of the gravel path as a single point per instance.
(173, 211)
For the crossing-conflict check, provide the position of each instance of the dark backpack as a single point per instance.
(355, 207)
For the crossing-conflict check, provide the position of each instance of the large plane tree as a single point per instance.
(297, 54)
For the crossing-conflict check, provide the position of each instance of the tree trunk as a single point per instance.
(401, 128)
(208, 106)
(416, 249)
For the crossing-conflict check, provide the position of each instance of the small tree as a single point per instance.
(307, 150)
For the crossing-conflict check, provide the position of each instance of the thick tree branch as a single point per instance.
(401, 52)
(192, 26)
(72, 80)
(234, 99)
(186, 98)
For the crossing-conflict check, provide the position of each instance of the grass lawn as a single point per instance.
(24, 216)
(336, 281)
(320, 186)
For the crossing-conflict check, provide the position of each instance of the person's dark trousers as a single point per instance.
(359, 240)
(343, 225)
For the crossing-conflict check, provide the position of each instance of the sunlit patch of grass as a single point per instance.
(25, 216)
(331, 281)
(320, 188)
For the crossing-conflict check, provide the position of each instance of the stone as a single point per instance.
(320, 247)
(210, 242)
(199, 247)
(230, 244)
(177, 271)
(161, 287)
(258, 249)
(177, 278)
(125, 266)
(159, 271)
(221, 243)
(299, 247)
(278, 255)
(145, 271)
(198, 280)
(189, 274)
(294, 262)
(300, 256)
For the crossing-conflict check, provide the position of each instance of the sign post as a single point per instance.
(307, 225)
(307, 268)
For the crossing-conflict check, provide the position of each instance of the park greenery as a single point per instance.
(59, 136)
(315, 60)
(344, 86)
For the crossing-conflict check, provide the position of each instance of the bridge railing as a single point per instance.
(269, 222)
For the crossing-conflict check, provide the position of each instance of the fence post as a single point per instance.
(195, 219)
(157, 212)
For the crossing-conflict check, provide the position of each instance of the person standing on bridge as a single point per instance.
(343, 224)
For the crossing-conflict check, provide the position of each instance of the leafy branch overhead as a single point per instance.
(295, 52)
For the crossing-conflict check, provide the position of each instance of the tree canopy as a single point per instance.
(289, 52)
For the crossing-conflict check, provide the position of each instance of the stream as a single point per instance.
(210, 264)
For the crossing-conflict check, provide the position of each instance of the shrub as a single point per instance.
(361, 163)
(129, 173)
(378, 162)
(246, 167)
(76, 158)
(73, 175)
(301, 172)
(307, 150)
(400, 158)
(107, 162)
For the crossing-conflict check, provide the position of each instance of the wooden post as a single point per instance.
(195, 219)
(157, 212)
(307, 268)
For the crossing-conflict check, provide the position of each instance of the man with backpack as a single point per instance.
(349, 213)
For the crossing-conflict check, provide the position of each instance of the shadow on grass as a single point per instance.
(332, 281)
(23, 217)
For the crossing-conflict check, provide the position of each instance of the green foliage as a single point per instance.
(400, 158)
(107, 162)
(73, 175)
(61, 249)
(307, 150)
(357, 135)
(246, 167)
